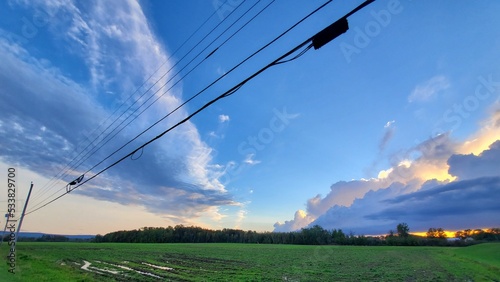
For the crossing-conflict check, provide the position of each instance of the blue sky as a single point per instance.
(394, 121)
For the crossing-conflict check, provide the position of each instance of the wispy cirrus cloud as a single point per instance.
(47, 118)
(428, 89)
(388, 134)
(250, 160)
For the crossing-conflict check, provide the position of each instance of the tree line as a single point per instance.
(315, 235)
(43, 238)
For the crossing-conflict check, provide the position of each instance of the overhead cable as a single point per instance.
(166, 91)
(78, 160)
(308, 43)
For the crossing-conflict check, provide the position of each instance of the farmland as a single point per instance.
(250, 262)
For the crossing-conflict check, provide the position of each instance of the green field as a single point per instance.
(250, 262)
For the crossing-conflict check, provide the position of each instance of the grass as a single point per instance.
(252, 262)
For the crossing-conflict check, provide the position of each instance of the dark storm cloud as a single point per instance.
(455, 205)
(471, 166)
(458, 205)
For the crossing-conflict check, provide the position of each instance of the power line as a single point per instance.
(79, 160)
(329, 32)
(170, 79)
(88, 156)
(66, 168)
(92, 151)
(211, 84)
(166, 91)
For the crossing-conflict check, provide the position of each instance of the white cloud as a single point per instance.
(374, 206)
(300, 220)
(454, 205)
(488, 133)
(174, 176)
(223, 118)
(383, 174)
(420, 203)
(389, 123)
(426, 90)
(249, 160)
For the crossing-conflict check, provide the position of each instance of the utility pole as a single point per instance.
(24, 211)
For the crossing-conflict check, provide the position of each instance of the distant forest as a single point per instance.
(315, 235)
